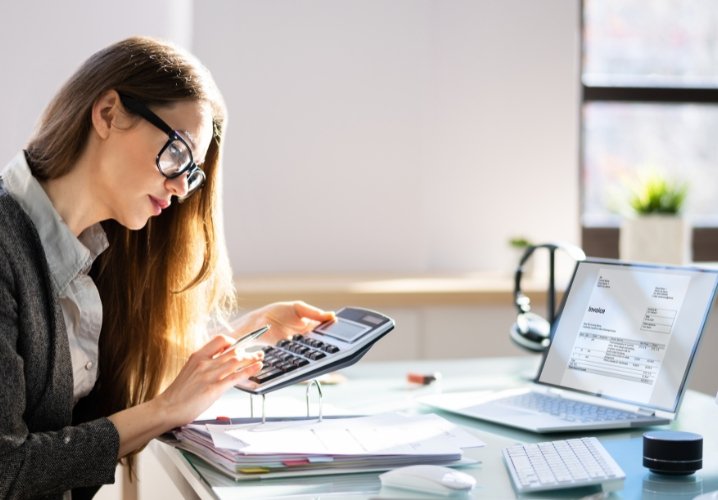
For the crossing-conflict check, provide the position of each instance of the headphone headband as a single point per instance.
(572, 250)
(530, 330)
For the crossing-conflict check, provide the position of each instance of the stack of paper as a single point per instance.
(334, 445)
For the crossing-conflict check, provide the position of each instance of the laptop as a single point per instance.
(620, 353)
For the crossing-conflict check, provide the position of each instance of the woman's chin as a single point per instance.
(135, 224)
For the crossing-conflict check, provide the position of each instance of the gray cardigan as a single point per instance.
(42, 452)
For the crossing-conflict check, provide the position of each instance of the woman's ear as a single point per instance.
(105, 109)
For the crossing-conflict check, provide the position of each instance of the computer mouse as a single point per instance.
(435, 479)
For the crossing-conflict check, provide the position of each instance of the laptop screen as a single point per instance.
(629, 332)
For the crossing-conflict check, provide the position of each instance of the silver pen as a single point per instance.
(248, 338)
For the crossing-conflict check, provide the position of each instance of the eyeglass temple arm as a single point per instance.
(139, 108)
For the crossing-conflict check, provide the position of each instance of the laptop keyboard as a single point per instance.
(567, 409)
(566, 463)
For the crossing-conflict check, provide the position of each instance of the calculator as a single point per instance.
(330, 346)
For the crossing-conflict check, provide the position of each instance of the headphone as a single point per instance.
(530, 330)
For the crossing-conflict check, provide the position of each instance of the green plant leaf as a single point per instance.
(655, 194)
(519, 242)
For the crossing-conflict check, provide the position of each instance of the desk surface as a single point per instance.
(379, 387)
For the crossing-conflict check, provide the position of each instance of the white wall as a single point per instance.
(43, 42)
(395, 135)
(403, 135)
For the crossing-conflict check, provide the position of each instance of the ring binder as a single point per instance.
(246, 449)
(314, 382)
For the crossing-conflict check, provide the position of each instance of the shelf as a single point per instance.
(382, 290)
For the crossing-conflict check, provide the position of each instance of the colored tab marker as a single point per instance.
(254, 470)
(296, 463)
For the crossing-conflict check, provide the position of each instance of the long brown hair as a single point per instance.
(160, 283)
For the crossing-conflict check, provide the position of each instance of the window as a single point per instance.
(649, 76)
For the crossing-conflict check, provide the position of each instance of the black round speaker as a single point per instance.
(672, 452)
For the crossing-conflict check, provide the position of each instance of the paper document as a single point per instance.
(336, 445)
(385, 434)
(625, 331)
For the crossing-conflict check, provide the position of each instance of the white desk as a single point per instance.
(377, 387)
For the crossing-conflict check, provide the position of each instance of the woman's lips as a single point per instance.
(159, 204)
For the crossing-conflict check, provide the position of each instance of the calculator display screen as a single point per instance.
(344, 330)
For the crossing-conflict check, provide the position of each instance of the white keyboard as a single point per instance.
(558, 464)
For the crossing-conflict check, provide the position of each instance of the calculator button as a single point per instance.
(331, 349)
(269, 361)
(263, 376)
(293, 359)
(315, 355)
(289, 366)
(285, 366)
(298, 336)
(283, 343)
(301, 362)
(267, 349)
(294, 347)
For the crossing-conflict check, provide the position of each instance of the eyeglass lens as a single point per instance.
(175, 159)
(194, 180)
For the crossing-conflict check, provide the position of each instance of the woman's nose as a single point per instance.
(178, 186)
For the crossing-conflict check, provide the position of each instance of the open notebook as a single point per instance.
(620, 353)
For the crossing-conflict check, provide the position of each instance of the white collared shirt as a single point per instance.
(70, 259)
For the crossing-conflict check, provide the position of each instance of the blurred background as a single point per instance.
(385, 153)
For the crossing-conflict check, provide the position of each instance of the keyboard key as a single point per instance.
(567, 409)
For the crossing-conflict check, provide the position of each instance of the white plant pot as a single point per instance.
(661, 239)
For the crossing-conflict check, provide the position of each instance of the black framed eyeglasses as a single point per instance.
(175, 157)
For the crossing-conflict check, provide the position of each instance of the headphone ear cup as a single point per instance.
(531, 331)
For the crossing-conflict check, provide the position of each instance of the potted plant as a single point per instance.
(519, 243)
(656, 231)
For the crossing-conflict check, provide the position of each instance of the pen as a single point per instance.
(248, 338)
(423, 379)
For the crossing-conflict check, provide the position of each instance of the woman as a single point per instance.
(112, 262)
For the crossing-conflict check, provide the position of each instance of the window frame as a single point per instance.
(602, 241)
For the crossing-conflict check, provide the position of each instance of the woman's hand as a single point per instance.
(208, 373)
(286, 318)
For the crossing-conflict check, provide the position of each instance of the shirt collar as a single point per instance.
(67, 254)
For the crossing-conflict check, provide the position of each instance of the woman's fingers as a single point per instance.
(215, 346)
(244, 373)
(240, 360)
(250, 370)
(229, 362)
(304, 310)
